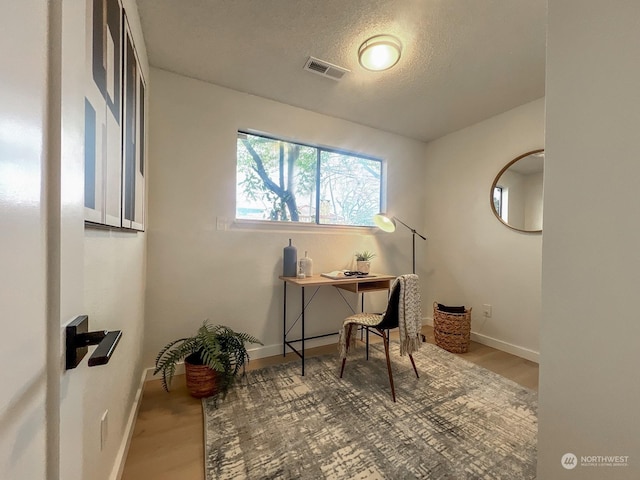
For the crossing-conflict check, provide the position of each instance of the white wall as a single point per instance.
(196, 271)
(513, 183)
(533, 201)
(473, 259)
(114, 274)
(524, 193)
(589, 377)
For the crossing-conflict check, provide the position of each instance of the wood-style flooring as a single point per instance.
(167, 441)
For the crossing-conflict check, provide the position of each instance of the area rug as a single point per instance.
(457, 421)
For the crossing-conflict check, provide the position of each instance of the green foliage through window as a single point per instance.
(290, 182)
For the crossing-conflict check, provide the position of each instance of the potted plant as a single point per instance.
(363, 261)
(212, 359)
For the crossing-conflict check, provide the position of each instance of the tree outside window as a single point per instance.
(290, 182)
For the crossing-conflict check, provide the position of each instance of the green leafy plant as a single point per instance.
(364, 256)
(215, 346)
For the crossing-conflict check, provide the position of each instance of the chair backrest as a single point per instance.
(391, 316)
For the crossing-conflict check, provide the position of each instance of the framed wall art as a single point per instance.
(115, 107)
(133, 179)
(103, 112)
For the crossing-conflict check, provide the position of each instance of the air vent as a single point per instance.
(325, 69)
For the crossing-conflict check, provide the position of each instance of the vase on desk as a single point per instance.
(289, 261)
(307, 265)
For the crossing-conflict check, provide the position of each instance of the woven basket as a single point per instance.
(201, 380)
(452, 331)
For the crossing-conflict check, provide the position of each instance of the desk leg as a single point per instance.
(303, 309)
(362, 310)
(366, 329)
(284, 322)
(367, 335)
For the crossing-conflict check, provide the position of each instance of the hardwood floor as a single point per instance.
(167, 442)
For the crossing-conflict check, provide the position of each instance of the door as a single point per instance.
(23, 243)
(41, 237)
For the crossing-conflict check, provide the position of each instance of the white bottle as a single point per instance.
(308, 265)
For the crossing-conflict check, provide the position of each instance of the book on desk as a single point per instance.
(343, 274)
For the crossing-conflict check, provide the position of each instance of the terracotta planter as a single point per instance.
(202, 381)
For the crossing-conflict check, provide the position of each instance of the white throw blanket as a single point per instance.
(409, 313)
(409, 318)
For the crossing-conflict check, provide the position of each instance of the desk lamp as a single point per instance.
(387, 223)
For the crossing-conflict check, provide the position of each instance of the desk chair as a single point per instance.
(403, 312)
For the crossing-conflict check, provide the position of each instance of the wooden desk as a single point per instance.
(372, 283)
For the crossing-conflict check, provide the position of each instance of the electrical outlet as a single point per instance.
(486, 310)
(104, 429)
(222, 223)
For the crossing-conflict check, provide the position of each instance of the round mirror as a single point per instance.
(516, 193)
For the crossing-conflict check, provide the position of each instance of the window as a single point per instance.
(281, 181)
(497, 200)
(501, 202)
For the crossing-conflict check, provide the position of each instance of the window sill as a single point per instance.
(285, 227)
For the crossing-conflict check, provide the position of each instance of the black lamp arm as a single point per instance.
(413, 230)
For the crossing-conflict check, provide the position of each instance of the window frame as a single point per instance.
(498, 208)
(319, 150)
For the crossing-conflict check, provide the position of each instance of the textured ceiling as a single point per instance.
(463, 60)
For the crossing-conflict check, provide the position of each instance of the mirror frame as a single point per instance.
(495, 183)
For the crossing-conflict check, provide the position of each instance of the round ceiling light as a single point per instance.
(380, 52)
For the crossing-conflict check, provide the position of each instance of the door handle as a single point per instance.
(79, 339)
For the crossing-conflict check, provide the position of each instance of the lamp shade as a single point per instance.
(384, 222)
(380, 52)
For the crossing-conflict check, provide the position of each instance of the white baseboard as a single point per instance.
(506, 347)
(516, 350)
(121, 457)
(276, 349)
(148, 373)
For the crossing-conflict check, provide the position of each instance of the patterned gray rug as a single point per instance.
(457, 421)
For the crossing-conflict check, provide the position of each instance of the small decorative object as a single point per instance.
(308, 265)
(289, 261)
(301, 268)
(363, 261)
(452, 327)
(212, 358)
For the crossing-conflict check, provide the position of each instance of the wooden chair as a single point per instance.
(379, 323)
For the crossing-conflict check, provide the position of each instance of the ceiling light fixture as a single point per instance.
(380, 52)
